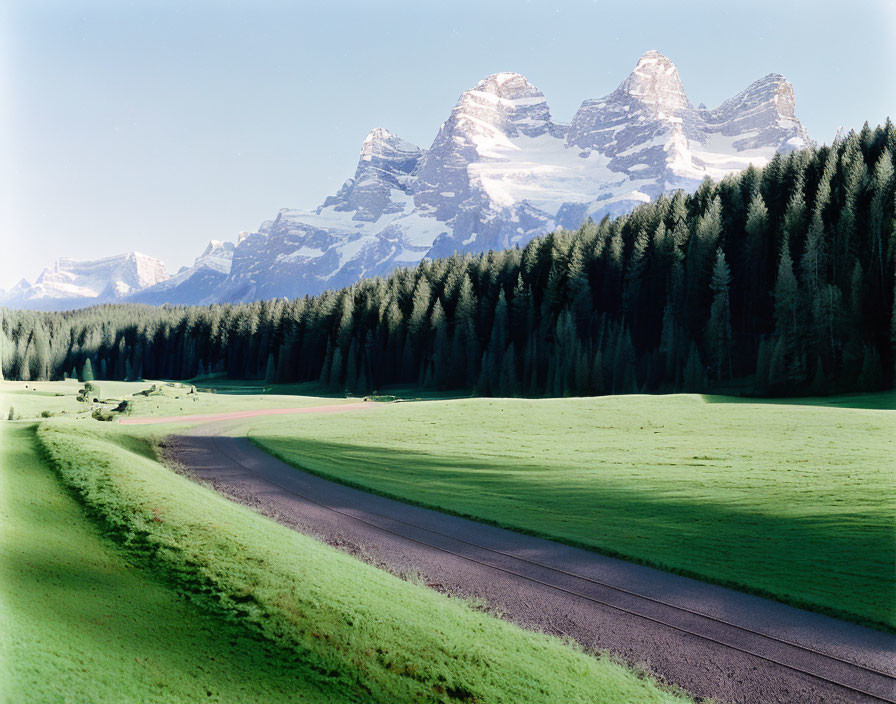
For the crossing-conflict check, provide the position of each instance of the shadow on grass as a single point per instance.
(836, 562)
(80, 598)
(877, 401)
(112, 617)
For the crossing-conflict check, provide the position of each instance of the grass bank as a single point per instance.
(370, 635)
(792, 501)
(84, 622)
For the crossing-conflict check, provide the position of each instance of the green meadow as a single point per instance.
(30, 399)
(124, 581)
(792, 500)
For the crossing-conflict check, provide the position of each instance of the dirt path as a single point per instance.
(712, 641)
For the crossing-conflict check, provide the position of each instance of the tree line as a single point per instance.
(773, 281)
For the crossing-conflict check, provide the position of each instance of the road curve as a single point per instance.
(713, 642)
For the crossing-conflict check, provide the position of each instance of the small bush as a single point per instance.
(102, 414)
(45, 414)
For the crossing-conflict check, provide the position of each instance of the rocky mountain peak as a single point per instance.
(504, 104)
(217, 255)
(772, 91)
(214, 246)
(500, 108)
(655, 83)
(508, 86)
(384, 166)
(783, 94)
(764, 113)
(380, 143)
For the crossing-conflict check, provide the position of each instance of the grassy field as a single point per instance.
(794, 501)
(30, 399)
(81, 621)
(93, 598)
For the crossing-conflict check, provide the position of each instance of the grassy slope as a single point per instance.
(81, 622)
(374, 635)
(796, 502)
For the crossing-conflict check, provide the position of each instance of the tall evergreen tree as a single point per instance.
(787, 359)
(270, 370)
(718, 332)
(882, 212)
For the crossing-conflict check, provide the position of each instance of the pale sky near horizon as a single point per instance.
(156, 126)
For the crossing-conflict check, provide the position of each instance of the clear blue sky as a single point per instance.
(157, 126)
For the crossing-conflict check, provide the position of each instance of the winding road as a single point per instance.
(711, 641)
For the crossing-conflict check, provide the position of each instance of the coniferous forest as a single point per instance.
(774, 281)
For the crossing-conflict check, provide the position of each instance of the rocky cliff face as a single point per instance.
(760, 117)
(499, 172)
(385, 165)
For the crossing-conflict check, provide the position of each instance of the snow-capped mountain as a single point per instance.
(73, 282)
(499, 172)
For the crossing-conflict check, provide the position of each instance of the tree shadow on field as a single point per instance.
(877, 401)
(835, 561)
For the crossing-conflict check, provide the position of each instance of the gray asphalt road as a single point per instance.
(712, 641)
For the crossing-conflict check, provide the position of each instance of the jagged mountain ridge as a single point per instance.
(191, 284)
(499, 172)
